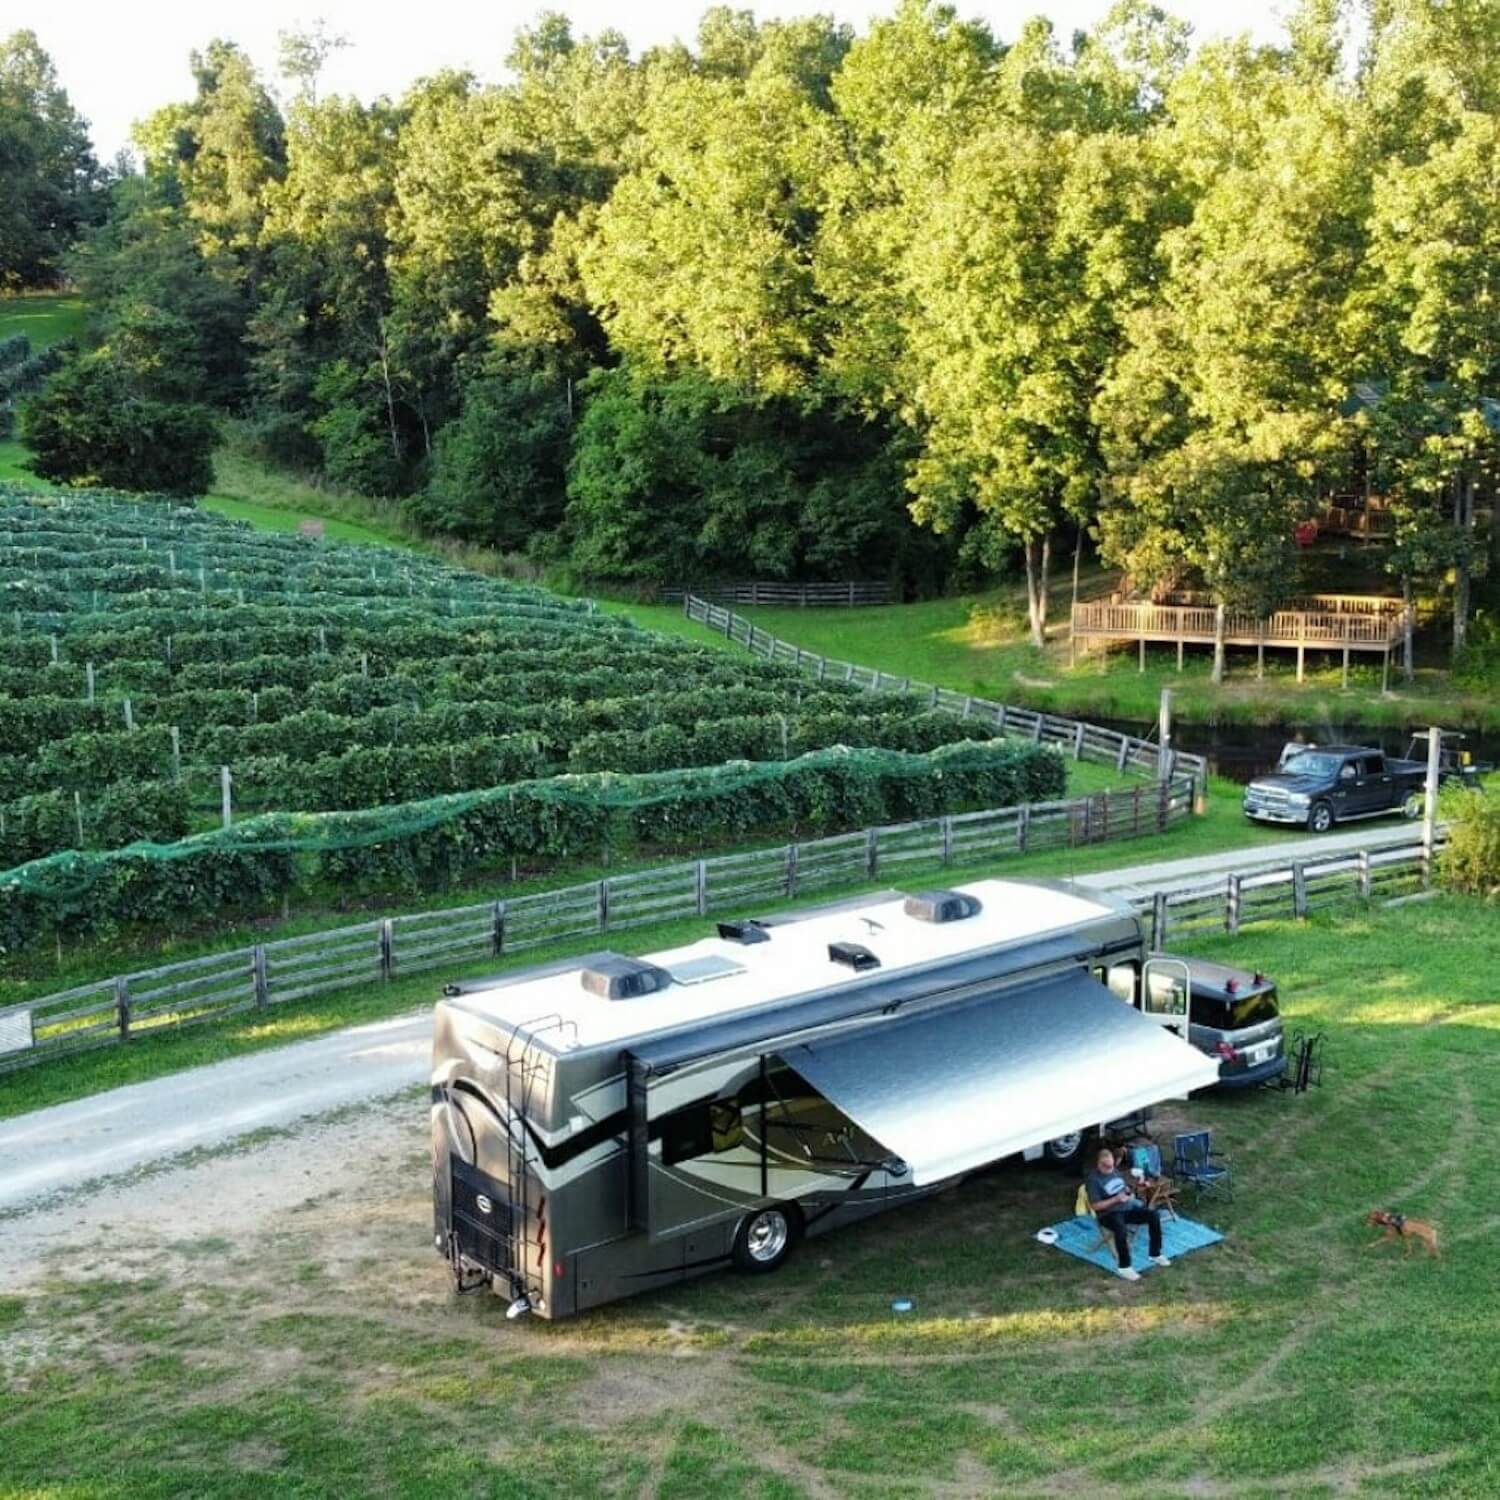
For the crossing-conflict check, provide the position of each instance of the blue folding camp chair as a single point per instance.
(1197, 1165)
(1146, 1158)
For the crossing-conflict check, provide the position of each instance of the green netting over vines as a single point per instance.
(437, 841)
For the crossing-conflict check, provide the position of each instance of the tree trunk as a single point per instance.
(1463, 585)
(1218, 675)
(1038, 555)
(1408, 663)
(390, 396)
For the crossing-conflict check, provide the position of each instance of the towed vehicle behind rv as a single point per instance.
(611, 1125)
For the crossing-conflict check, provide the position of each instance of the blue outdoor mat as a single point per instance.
(1178, 1238)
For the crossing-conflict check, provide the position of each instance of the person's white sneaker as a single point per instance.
(1160, 1260)
(1128, 1273)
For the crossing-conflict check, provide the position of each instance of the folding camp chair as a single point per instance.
(1083, 1209)
(1197, 1165)
(1160, 1191)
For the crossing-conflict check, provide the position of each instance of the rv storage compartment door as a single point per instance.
(949, 1090)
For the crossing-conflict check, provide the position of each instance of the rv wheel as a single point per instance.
(764, 1239)
(1065, 1150)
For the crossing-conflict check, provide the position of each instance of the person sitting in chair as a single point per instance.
(1116, 1207)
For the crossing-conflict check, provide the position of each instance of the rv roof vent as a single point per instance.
(856, 955)
(616, 978)
(941, 906)
(744, 930)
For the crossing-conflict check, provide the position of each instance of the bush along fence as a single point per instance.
(433, 843)
(801, 595)
(115, 1010)
(1091, 742)
(1293, 890)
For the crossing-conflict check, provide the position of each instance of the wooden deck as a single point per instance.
(1345, 623)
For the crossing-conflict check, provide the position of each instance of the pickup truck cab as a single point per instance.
(1317, 786)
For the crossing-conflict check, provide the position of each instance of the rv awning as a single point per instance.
(952, 1090)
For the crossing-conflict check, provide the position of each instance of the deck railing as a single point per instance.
(1376, 630)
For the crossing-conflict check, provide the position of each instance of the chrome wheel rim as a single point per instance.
(1415, 805)
(1066, 1145)
(1322, 820)
(767, 1235)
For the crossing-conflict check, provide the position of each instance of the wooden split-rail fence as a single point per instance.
(1081, 740)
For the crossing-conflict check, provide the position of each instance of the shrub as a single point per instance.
(1471, 862)
(91, 426)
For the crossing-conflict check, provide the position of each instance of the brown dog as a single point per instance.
(1399, 1227)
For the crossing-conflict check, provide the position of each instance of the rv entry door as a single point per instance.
(1166, 987)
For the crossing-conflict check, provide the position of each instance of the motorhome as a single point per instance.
(611, 1125)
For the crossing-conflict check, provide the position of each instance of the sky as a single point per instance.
(119, 62)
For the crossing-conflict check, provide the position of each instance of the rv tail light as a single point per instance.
(1227, 1052)
(557, 1268)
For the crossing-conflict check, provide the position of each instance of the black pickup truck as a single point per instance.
(1320, 785)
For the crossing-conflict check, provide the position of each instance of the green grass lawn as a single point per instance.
(44, 317)
(978, 644)
(324, 1357)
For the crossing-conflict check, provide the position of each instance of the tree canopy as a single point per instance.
(921, 300)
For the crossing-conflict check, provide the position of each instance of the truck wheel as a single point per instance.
(1414, 805)
(765, 1239)
(1320, 817)
(1065, 1151)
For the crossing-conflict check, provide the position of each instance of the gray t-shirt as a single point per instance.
(1100, 1187)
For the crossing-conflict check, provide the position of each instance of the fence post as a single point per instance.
(260, 976)
(872, 853)
(1023, 825)
(945, 826)
(700, 886)
(226, 802)
(791, 870)
(497, 928)
(1158, 919)
(603, 902)
(968, 706)
(1364, 873)
(122, 1007)
(1123, 755)
(1232, 905)
(1299, 890)
(1163, 804)
(387, 949)
(1078, 739)
(1036, 731)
